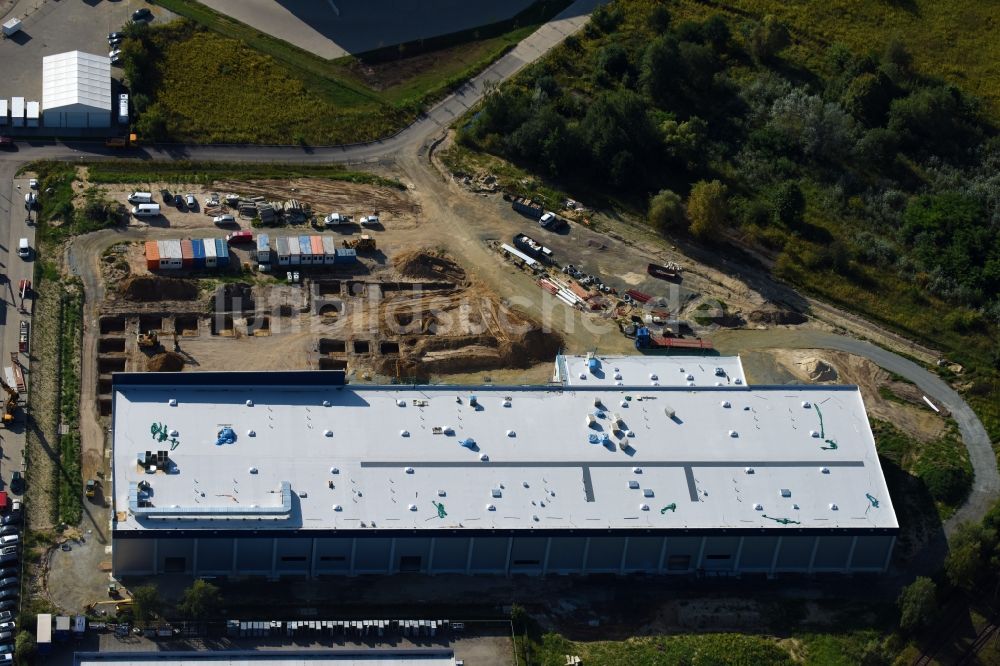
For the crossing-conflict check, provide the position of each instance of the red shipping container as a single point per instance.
(187, 254)
(152, 255)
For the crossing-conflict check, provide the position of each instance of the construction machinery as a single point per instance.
(10, 403)
(91, 487)
(363, 243)
(147, 340)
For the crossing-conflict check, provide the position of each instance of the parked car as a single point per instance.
(190, 201)
(6, 617)
(115, 38)
(6, 658)
(7, 572)
(6, 635)
(142, 15)
(224, 220)
(33, 183)
(8, 626)
(9, 557)
(6, 141)
(9, 529)
(179, 201)
(9, 581)
(9, 593)
(16, 479)
(30, 200)
(115, 55)
(370, 221)
(8, 604)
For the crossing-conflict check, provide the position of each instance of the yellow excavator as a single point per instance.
(10, 403)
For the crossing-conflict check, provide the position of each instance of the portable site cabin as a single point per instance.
(318, 253)
(79, 626)
(43, 633)
(211, 257)
(346, 255)
(263, 249)
(329, 250)
(294, 251)
(62, 627)
(17, 112)
(170, 255)
(198, 252)
(4, 113)
(152, 255)
(32, 114)
(281, 250)
(221, 253)
(187, 253)
(305, 250)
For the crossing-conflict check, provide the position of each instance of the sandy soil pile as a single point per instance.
(165, 362)
(428, 265)
(146, 288)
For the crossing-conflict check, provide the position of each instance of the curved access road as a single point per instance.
(986, 484)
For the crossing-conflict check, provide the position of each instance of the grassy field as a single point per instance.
(228, 82)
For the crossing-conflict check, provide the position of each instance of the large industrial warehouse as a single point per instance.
(297, 474)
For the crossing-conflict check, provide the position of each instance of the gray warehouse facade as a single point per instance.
(298, 475)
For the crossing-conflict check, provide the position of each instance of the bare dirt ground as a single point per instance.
(907, 411)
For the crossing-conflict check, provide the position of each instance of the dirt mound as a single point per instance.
(146, 288)
(165, 362)
(429, 265)
(818, 370)
(776, 317)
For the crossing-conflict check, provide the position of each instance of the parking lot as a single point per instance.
(49, 27)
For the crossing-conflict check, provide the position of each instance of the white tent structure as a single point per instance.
(76, 90)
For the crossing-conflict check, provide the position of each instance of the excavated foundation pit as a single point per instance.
(330, 346)
(150, 323)
(111, 345)
(104, 386)
(104, 405)
(328, 288)
(326, 363)
(112, 324)
(222, 325)
(356, 288)
(388, 347)
(108, 364)
(186, 325)
(362, 347)
(331, 309)
(260, 325)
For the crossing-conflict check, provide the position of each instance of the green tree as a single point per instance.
(659, 19)
(666, 210)
(146, 604)
(200, 601)
(789, 204)
(768, 38)
(24, 647)
(917, 604)
(868, 96)
(965, 565)
(660, 64)
(707, 208)
(153, 123)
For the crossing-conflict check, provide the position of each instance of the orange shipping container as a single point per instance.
(316, 242)
(152, 255)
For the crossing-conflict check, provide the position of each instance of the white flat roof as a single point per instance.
(76, 78)
(652, 370)
(544, 466)
(335, 657)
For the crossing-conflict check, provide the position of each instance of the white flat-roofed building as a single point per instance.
(294, 473)
(277, 657)
(76, 90)
(652, 370)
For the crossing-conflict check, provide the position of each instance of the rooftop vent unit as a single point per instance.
(637, 470)
(719, 372)
(334, 470)
(252, 470)
(496, 492)
(785, 492)
(814, 433)
(490, 507)
(806, 404)
(690, 377)
(468, 443)
(328, 433)
(737, 381)
(643, 507)
(408, 470)
(748, 470)
(484, 458)
(473, 401)
(834, 507)
(618, 376)
(669, 411)
(172, 402)
(634, 485)
(758, 507)
(442, 493)
(401, 403)
(726, 404)
(249, 403)
(511, 433)
(337, 507)
(326, 403)
(506, 402)
(647, 492)
(653, 377)
(733, 433)
(412, 507)
(824, 470)
(404, 433)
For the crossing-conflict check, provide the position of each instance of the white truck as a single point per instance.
(12, 27)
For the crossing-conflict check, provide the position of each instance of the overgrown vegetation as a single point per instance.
(854, 173)
(69, 507)
(941, 464)
(186, 171)
(212, 79)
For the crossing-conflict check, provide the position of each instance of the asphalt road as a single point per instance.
(418, 137)
(986, 486)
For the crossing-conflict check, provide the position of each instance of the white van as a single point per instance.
(140, 198)
(146, 210)
(23, 249)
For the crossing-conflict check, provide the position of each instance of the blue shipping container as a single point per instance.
(346, 255)
(198, 250)
(305, 246)
(222, 251)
